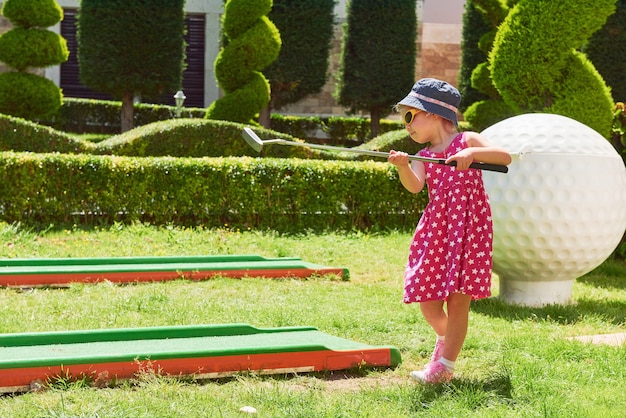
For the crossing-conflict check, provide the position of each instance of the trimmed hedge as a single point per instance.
(180, 138)
(287, 194)
(103, 116)
(282, 194)
(21, 135)
(340, 130)
(194, 138)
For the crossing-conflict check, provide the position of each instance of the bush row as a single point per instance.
(101, 183)
(333, 129)
(103, 116)
(282, 194)
(177, 138)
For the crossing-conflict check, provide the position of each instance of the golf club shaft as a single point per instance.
(476, 165)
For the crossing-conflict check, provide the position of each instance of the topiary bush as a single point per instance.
(253, 43)
(481, 102)
(32, 13)
(131, 48)
(536, 65)
(28, 45)
(26, 95)
(607, 50)
(482, 114)
(306, 30)
(377, 61)
(21, 48)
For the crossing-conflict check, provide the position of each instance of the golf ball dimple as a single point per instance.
(559, 212)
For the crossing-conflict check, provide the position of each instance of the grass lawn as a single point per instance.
(516, 362)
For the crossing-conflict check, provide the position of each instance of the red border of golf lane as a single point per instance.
(16, 380)
(26, 280)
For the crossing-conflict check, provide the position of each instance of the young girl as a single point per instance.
(450, 255)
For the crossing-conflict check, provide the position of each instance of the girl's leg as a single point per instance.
(437, 318)
(435, 315)
(454, 326)
(456, 330)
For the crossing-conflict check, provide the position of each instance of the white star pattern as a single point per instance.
(452, 247)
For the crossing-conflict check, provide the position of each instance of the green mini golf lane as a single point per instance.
(203, 351)
(26, 272)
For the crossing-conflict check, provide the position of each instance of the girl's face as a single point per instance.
(414, 120)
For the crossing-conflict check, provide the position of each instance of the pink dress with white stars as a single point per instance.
(451, 251)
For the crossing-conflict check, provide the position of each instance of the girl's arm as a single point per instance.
(479, 149)
(412, 174)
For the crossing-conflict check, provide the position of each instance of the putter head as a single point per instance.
(252, 139)
(526, 149)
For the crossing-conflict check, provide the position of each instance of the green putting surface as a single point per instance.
(150, 260)
(115, 267)
(49, 271)
(67, 348)
(205, 351)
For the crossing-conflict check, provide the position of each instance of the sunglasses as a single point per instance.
(409, 116)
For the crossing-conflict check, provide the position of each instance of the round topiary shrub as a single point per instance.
(482, 114)
(28, 95)
(21, 48)
(32, 13)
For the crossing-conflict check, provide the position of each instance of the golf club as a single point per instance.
(257, 144)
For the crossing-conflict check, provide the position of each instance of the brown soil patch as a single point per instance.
(609, 339)
(357, 383)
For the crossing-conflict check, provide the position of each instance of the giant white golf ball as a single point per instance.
(559, 212)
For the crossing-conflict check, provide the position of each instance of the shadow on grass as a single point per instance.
(609, 311)
(609, 275)
(471, 393)
(323, 375)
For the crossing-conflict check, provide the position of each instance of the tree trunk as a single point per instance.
(374, 122)
(128, 111)
(264, 117)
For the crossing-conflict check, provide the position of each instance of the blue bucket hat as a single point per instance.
(434, 96)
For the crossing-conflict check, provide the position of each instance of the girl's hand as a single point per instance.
(463, 159)
(398, 158)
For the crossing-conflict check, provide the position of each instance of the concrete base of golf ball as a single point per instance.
(559, 212)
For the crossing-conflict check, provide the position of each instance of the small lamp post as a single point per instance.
(179, 97)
